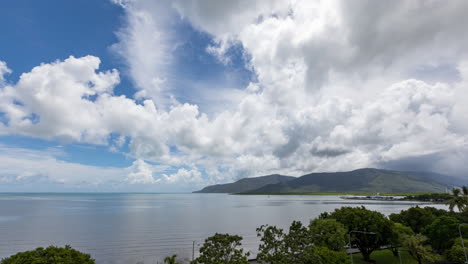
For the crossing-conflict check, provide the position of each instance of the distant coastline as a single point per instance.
(330, 193)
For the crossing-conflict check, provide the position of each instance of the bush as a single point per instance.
(50, 255)
(328, 256)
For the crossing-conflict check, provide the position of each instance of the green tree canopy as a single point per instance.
(361, 219)
(416, 218)
(222, 249)
(328, 233)
(456, 253)
(399, 234)
(328, 256)
(416, 248)
(298, 245)
(278, 247)
(50, 255)
(442, 232)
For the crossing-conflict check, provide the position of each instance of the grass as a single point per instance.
(386, 257)
(334, 193)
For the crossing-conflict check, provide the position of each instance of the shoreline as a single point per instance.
(337, 193)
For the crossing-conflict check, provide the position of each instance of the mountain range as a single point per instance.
(247, 184)
(360, 180)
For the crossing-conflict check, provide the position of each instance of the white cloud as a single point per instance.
(333, 91)
(182, 175)
(145, 45)
(3, 71)
(262, 136)
(29, 167)
(54, 101)
(141, 172)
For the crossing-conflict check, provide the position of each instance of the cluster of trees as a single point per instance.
(427, 234)
(430, 197)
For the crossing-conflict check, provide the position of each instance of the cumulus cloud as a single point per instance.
(335, 40)
(56, 101)
(192, 176)
(140, 172)
(409, 118)
(334, 91)
(3, 71)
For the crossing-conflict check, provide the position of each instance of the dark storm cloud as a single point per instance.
(452, 163)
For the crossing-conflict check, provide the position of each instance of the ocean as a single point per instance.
(144, 228)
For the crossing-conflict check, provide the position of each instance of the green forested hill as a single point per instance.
(246, 184)
(362, 180)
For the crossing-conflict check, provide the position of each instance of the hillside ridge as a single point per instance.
(359, 180)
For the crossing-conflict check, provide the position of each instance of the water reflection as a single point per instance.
(131, 228)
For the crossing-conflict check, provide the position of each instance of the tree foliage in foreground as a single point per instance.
(171, 259)
(442, 232)
(400, 233)
(361, 219)
(456, 253)
(222, 249)
(328, 256)
(416, 218)
(418, 250)
(301, 245)
(459, 199)
(328, 233)
(278, 247)
(50, 255)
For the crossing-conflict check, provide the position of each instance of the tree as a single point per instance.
(442, 232)
(171, 259)
(222, 249)
(465, 191)
(50, 255)
(416, 218)
(298, 244)
(458, 199)
(400, 232)
(271, 248)
(417, 249)
(277, 247)
(456, 253)
(328, 233)
(361, 219)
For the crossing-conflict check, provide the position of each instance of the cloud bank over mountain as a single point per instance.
(338, 86)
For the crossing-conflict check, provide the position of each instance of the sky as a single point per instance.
(171, 96)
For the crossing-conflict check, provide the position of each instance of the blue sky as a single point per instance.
(172, 96)
(39, 33)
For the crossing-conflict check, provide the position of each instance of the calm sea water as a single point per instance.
(143, 228)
